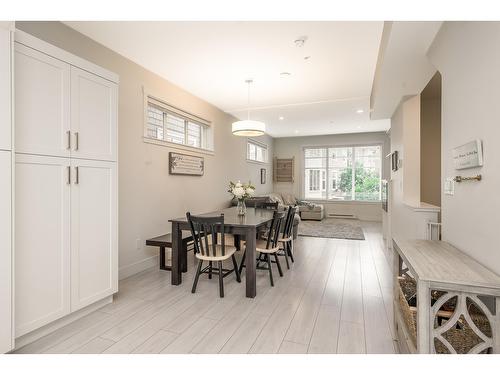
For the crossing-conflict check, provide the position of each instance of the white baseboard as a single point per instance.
(51, 327)
(132, 269)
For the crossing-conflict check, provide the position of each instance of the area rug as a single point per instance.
(348, 229)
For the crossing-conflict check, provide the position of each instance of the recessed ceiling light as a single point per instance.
(360, 111)
(296, 132)
(300, 41)
(359, 127)
(285, 74)
(281, 118)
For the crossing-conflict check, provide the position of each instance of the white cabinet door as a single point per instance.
(42, 242)
(93, 116)
(94, 244)
(5, 253)
(42, 103)
(5, 89)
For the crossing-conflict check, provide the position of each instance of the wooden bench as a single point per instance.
(165, 241)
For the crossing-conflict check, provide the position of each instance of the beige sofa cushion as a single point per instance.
(289, 199)
(274, 197)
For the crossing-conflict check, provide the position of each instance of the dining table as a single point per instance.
(241, 226)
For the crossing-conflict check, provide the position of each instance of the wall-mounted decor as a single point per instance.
(469, 155)
(263, 176)
(183, 164)
(283, 169)
(394, 161)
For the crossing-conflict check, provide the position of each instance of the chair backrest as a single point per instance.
(205, 231)
(267, 205)
(290, 217)
(274, 230)
(255, 202)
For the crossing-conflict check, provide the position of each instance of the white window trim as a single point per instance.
(261, 144)
(349, 201)
(207, 136)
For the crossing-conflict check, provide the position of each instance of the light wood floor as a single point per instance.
(336, 298)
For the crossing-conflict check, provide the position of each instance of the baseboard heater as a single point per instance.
(342, 216)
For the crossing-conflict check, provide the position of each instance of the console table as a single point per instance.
(439, 266)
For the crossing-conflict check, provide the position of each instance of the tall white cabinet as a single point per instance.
(6, 284)
(66, 247)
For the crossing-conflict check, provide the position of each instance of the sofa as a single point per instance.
(307, 210)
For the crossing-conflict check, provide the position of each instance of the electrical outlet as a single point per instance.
(138, 244)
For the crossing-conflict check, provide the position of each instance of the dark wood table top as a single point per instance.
(253, 218)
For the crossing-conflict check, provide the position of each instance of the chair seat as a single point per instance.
(229, 250)
(260, 246)
(280, 239)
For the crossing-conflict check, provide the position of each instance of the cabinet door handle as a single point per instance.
(77, 141)
(77, 177)
(69, 175)
(68, 147)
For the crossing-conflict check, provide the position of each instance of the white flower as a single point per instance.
(238, 184)
(250, 191)
(238, 191)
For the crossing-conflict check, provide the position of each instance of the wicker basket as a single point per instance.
(461, 336)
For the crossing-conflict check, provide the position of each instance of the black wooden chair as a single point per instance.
(286, 237)
(205, 232)
(270, 246)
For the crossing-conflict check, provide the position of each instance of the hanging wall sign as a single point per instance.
(186, 164)
(469, 155)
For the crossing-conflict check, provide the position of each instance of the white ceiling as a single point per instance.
(404, 68)
(213, 59)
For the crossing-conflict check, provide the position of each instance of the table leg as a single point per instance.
(162, 258)
(184, 256)
(176, 277)
(250, 271)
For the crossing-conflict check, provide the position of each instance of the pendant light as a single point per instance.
(248, 128)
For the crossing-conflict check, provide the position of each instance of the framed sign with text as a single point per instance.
(182, 164)
(469, 155)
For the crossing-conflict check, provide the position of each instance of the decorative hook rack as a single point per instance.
(472, 178)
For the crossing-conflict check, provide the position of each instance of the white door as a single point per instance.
(42, 103)
(94, 243)
(42, 242)
(93, 116)
(5, 253)
(5, 89)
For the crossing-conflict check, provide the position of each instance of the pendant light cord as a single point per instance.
(248, 100)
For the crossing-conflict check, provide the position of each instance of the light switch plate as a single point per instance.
(449, 186)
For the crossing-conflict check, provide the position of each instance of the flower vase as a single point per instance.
(241, 207)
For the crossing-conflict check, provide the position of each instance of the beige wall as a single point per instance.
(407, 218)
(430, 145)
(148, 195)
(468, 56)
(293, 147)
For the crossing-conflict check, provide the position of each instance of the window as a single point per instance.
(256, 151)
(343, 173)
(166, 123)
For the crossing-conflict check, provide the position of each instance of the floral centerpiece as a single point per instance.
(241, 192)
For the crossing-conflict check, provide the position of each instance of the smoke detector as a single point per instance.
(300, 41)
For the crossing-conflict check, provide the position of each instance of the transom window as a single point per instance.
(166, 123)
(256, 151)
(343, 173)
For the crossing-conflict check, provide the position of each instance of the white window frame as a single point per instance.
(260, 145)
(206, 139)
(327, 200)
